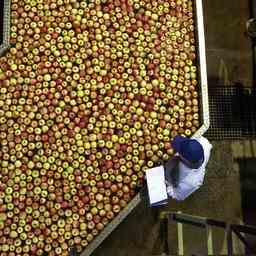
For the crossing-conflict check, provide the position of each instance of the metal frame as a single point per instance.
(6, 27)
(206, 223)
(205, 125)
(203, 71)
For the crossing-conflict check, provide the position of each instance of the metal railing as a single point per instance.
(207, 223)
(5, 7)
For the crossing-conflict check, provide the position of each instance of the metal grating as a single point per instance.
(232, 113)
(1, 21)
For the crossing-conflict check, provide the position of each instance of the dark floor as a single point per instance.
(229, 55)
(247, 168)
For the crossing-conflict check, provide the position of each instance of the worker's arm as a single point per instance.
(186, 186)
(171, 168)
(184, 190)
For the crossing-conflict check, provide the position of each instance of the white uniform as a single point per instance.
(190, 179)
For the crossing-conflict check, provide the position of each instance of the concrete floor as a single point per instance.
(229, 55)
(229, 61)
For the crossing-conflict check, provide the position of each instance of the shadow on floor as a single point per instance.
(247, 167)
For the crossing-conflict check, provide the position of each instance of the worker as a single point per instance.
(184, 173)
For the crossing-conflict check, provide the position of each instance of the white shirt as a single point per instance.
(190, 179)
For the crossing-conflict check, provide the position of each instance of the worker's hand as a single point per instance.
(170, 191)
(172, 171)
(171, 163)
(168, 184)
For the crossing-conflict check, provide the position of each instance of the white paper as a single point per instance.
(156, 184)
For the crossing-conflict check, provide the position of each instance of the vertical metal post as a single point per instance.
(252, 5)
(165, 235)
(229, 240)
(164, 222)
(209, 240)
(180, 238)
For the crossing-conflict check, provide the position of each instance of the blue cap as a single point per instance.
(189, 149)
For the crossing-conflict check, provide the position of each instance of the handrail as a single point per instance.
(204, 222)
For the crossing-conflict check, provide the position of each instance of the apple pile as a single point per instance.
(91, 93)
